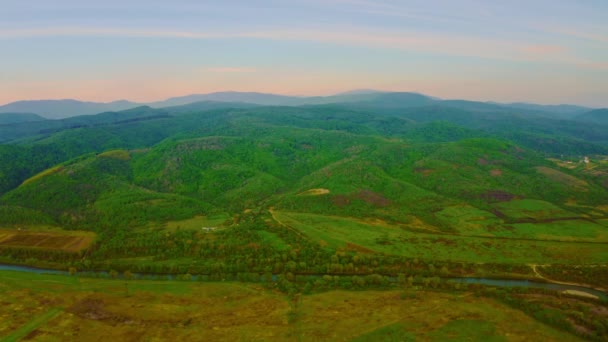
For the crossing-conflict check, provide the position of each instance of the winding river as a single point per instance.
(465, 280)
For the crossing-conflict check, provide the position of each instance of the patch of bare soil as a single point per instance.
(90, 308)
(340, 200)
(356, 248)
(580, 329)
(600, 311)
(496, 173)
(424, 171)
(497, 196)
(32, 335)
(373, 198)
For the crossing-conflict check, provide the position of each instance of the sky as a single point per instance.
(541, 51)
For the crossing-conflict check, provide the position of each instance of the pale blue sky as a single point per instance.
(535, 51)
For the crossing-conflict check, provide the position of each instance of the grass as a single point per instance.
(314, 192)
(343, 233)
(467, 330)
(43, 174)
(32, 325)
(150, 310)
(563, 178)
(269, 238)
(468, 220)
(95, 309)
(569, 230)
(396, 332)
(197, 222)
(385, 316)
(532, 209)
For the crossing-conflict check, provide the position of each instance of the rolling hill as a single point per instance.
(13, 118)
(598, 116)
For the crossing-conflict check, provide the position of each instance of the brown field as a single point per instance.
(69, 241)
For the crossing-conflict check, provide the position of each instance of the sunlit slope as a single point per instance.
(396, 181)
(244, 162)
(97, 190)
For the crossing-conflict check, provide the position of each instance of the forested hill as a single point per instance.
(598, 116)
(12, 118)
(34, 146)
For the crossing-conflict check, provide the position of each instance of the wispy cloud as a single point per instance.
(445, 44)
(107, 32)
(231, 70)
(592, 36)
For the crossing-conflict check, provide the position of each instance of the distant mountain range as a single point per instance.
(60, 109)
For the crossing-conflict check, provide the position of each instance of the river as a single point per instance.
(465, 280)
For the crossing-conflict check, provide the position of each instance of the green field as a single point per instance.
(198, 222)
(468, 220)
(532, 209)
(471, 221)
(70, 308)
(349, 233)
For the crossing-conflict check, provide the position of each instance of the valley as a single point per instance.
(289, 209)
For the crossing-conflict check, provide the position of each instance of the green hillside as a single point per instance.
(436, 176)
(254, 193)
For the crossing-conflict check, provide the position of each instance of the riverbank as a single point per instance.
(496, 282)
(540, 276)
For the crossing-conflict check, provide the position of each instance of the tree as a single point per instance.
(401, 279)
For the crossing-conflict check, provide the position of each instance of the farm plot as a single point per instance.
(345, 233)
(530, 209)
(470, 221)
(68, 241)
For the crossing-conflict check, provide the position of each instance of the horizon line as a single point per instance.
(369, 91)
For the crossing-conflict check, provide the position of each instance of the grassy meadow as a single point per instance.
(55, 308)
(380, 237)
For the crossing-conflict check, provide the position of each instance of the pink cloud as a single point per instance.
(544, 49)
